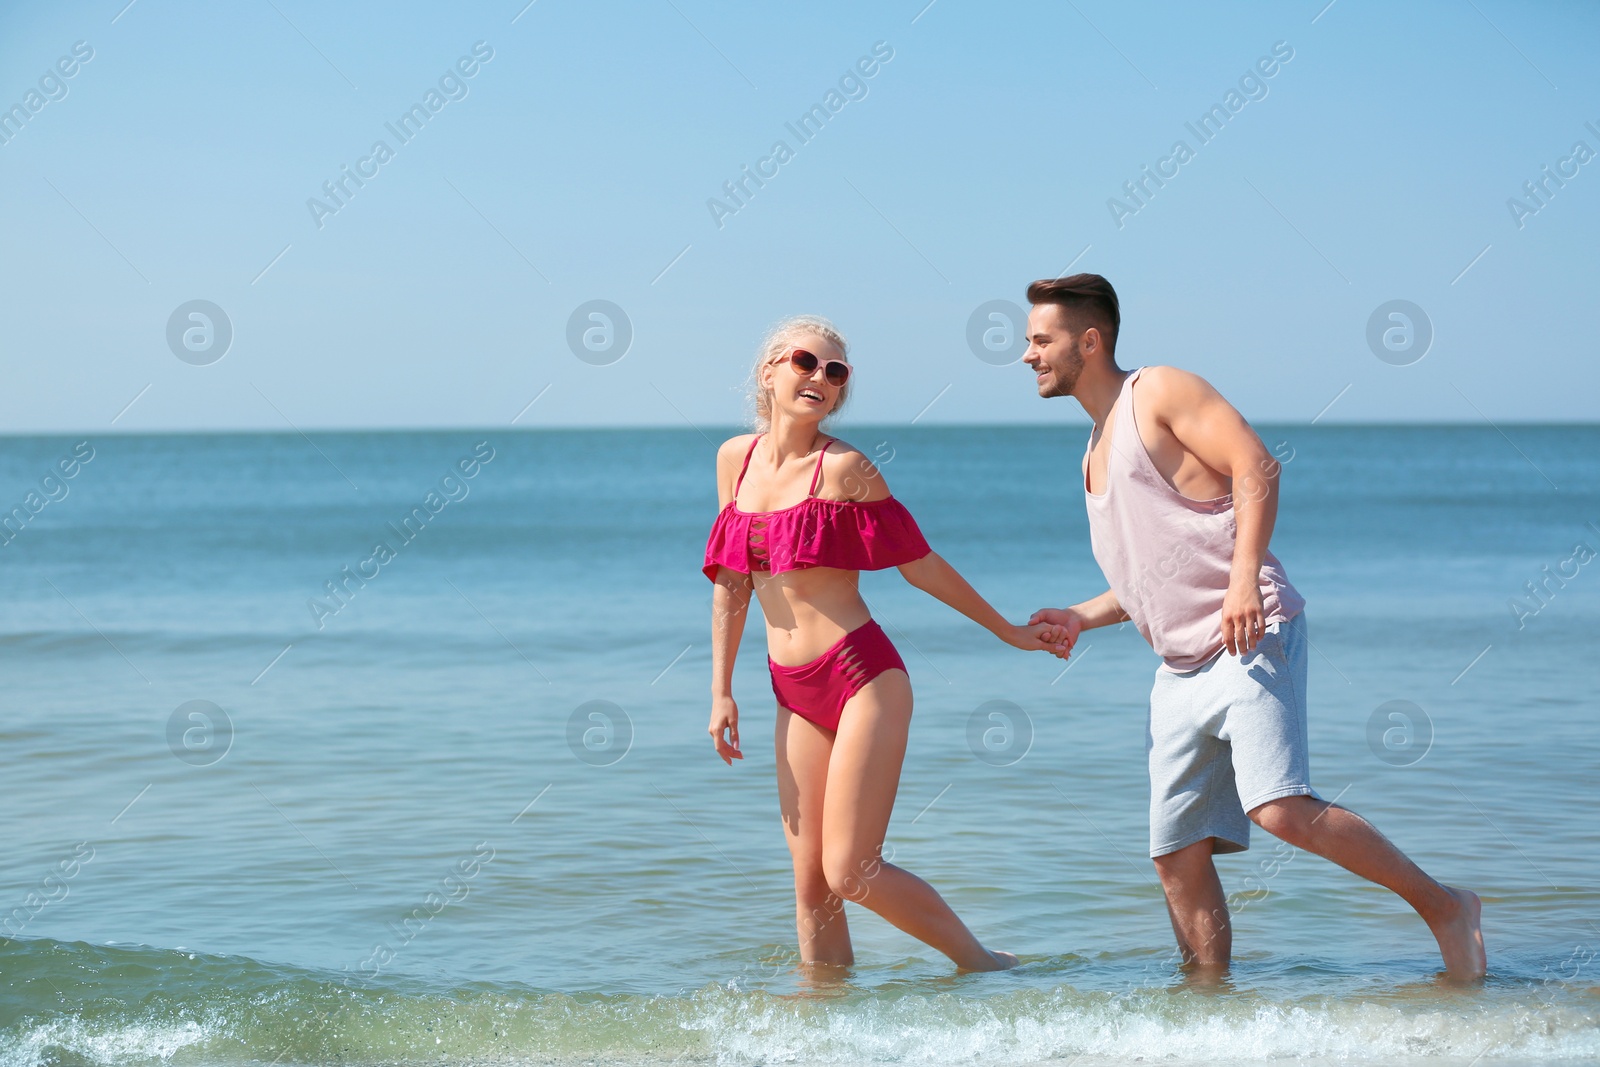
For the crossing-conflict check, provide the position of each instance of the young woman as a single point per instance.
(801, 515)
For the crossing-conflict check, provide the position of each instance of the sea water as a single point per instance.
(390, 748)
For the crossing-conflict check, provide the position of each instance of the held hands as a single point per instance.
(1243, 617)
(1058, 629)
(1053, 635)
(1037, 639)
(725, 717)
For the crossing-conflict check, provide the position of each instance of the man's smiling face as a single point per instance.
(1054, 352)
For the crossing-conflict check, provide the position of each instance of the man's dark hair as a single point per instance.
(1086, 300)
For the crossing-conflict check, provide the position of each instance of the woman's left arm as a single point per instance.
(860, 480)
(934, 576)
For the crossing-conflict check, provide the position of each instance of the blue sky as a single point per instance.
(578, 162)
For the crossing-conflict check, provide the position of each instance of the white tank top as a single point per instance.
(1167, 557)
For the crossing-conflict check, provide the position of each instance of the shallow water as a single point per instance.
(403, 849)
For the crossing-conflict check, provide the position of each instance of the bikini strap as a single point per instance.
(746, 466)
(817, 474)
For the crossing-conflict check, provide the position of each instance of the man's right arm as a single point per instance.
(1103, 610)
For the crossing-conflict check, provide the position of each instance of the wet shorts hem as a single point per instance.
(1224, 844)
(1252, 803)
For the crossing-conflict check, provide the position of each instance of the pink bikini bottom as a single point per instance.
(817, 691)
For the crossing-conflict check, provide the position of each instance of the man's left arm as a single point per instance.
(1211, 428)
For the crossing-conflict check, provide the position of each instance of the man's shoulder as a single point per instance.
(1166, 389)
(1168, 379)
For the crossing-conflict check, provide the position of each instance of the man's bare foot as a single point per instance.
(1208, 973)
(1460, 937)
(1003, 961)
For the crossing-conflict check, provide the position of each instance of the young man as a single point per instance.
(1182, 496)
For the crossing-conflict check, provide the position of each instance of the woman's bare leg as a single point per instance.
(863, 776)
(803, 748)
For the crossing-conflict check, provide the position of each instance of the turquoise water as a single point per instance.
(410, 839)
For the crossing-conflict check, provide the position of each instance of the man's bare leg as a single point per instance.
(1197, 906)
(1340, 835)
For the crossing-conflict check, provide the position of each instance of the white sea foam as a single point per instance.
(98, 1043)
(737, 1029)
(1140, 1027)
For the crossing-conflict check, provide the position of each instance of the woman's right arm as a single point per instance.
(730, 602)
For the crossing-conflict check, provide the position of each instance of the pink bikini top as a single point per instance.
(848, 534)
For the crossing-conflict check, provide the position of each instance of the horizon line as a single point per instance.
(1079, 421)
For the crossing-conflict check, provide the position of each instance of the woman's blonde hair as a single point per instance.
(776, 344)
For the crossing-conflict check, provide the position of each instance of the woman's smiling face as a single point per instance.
(804, 396)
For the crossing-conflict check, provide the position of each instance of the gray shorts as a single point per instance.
(1227, 738)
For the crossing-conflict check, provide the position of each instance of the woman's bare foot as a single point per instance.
(1003, 961)
(823, 977)
(1460, 937)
